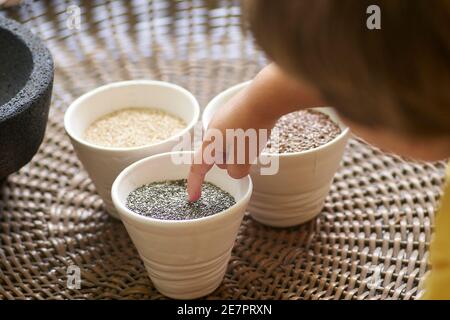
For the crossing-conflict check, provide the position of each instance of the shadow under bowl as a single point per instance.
(26, 81)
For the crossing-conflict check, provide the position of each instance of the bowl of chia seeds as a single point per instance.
(119, 123)
(184, 245)
(294, 172)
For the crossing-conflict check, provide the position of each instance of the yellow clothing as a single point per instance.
(437, 284)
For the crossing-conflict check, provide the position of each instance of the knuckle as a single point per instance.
(236, 173)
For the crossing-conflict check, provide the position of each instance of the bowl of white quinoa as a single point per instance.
(120, 123)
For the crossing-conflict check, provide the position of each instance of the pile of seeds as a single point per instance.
(168, 200)
(300, 131)
(133, 127)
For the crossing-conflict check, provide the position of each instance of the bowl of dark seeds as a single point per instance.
(167, 200)
(184, 245)
(294, 172)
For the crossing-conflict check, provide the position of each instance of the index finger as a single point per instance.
(199, 169)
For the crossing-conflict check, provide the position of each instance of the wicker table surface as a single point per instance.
(370, 242)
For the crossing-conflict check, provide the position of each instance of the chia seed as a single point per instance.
(302, 130)
(168, 200)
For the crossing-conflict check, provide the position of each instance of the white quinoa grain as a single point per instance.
(133, 127)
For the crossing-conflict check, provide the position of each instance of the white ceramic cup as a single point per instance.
(296, 193)
(103, 164)
(185, 259)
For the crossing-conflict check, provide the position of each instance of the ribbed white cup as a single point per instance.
(185, 259)
(103, 164)
(296, 193)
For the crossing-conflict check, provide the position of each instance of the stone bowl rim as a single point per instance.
(41, 76)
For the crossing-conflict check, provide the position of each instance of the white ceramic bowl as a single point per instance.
(296, 193)
(185, 259)
(103, 164)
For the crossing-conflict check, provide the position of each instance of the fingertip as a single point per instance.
(194, 186)
(194, 197)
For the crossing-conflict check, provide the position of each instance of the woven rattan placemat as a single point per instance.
(370, 241)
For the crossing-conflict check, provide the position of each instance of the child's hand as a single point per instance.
(270, 95)
(236, 114)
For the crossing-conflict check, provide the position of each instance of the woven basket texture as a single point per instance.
(370, 241)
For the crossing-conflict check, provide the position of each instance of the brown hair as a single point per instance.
(396, 77)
